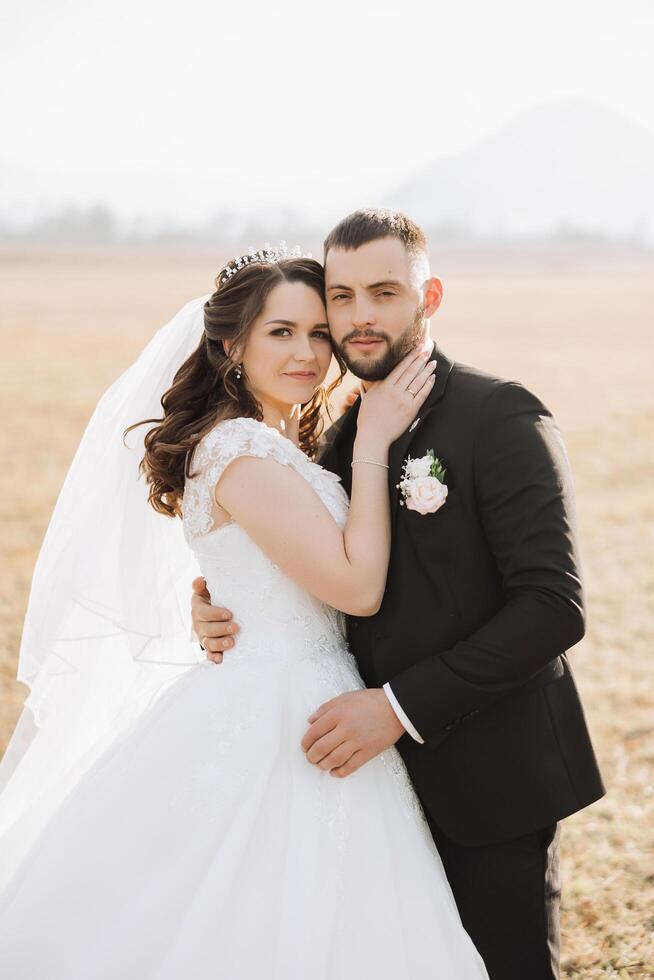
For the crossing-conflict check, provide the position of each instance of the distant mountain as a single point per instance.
(564, 167)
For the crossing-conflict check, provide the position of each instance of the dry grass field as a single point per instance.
(577, 328)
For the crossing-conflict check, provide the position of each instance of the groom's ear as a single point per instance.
(432, 294)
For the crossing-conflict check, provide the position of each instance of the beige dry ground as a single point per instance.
(576, 327)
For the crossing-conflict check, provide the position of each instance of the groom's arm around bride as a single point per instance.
(483, 598)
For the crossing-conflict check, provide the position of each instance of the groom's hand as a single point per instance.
(350, 399)
(350, 730)
(212, 625)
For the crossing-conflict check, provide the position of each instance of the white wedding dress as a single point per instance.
(203, 845)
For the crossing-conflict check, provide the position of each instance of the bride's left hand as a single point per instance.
(351, 729)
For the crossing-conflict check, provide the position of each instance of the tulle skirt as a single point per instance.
(204, 845)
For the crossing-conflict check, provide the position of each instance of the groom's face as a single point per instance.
(375, 306)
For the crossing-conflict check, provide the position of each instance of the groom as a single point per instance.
(465, 662)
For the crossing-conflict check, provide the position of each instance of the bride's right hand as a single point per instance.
(391, 405)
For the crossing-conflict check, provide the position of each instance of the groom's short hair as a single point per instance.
(369, 224)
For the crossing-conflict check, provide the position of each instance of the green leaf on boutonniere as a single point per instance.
(437, 469)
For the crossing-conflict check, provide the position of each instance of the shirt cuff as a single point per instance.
(395, 705)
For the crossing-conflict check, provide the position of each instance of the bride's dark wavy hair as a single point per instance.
(205, 389)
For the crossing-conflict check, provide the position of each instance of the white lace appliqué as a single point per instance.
(247, 437)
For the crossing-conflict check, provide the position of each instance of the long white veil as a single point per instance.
(108, 622)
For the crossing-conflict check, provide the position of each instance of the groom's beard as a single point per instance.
(369, 369)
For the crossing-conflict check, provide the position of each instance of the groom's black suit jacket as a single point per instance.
(482, 600)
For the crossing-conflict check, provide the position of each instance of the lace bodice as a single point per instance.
(273, 612)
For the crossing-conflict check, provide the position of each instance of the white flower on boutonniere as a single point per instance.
(423, 484)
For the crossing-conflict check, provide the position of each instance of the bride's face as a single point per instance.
(288, 348)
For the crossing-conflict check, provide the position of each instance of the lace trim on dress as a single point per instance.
(222, 445)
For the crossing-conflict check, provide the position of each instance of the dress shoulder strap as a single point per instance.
(223, 444)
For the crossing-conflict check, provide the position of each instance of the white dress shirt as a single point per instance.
(397, 708)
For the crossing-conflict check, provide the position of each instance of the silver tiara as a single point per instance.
(268, 254)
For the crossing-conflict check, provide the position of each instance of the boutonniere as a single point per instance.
(423, 483)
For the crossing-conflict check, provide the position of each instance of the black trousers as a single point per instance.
(508, 897)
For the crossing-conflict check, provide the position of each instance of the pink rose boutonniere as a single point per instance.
(423, 484)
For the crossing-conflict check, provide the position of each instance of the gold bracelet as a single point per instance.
(373, 462)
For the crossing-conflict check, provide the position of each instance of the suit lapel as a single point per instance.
(400, 448)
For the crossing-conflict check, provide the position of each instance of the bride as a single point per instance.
(159, 818)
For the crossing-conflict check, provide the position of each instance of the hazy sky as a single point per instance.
(182, 108)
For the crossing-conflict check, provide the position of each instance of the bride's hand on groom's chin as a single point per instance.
(351, 729)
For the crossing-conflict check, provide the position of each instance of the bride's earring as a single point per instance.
(237, 371)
